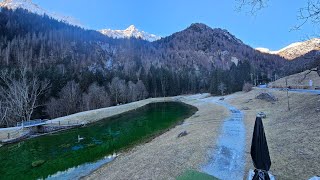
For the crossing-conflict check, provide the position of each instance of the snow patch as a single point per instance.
(235, 60)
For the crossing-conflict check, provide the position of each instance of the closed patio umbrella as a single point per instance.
(260, 152)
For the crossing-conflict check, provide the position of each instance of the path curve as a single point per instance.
(228, 158)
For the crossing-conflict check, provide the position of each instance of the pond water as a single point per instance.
(44, 156)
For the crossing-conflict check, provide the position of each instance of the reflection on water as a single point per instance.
(47, 155)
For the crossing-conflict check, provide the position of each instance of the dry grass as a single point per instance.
(13, 133)
(298, 81)
(167, 156)
(293, 136)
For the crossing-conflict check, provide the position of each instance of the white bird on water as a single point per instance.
(80, 138)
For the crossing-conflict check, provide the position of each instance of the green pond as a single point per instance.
(46, 155)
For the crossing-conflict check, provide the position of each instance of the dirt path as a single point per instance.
(228, 158)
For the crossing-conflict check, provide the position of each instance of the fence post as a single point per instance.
(288, 94)
(8, 135)
(59, 123)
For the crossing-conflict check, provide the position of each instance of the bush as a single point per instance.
(38, 163)
(247, 87)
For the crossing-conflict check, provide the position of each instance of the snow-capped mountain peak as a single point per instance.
(34, 8)
(131, 28)
(295, 50)
(131, 31)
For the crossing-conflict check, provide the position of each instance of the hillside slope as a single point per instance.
(298, 81)
(292, 136)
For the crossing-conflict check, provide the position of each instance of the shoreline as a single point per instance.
(86, 169)
(166, 156)
(87, 117)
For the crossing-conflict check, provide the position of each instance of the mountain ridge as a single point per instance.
(131, 31)
(295, 50)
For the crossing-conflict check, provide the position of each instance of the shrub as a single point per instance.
(247, 87)
(38, 163)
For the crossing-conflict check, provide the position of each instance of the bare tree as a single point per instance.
(254, 5)
(118, 90)
(222, 88)
(55, 108)
(3, 115)
(96, 98)
(136, 91)
(142, 90)
(19, 94)
(132, 92)
(68, 102)
(311, 11)
(71, 97)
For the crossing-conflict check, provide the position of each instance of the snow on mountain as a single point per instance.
(34, 8)
(131, 31)
(295, 50)
(265, 50)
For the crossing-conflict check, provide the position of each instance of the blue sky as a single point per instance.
(269, 28)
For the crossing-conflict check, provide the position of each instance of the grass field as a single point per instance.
(195, 175)
(293, 136)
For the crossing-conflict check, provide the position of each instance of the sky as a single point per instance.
(269, 27)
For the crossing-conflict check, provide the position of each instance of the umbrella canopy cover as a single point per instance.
(260, 152)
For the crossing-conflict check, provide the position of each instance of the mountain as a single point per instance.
(34, 8)
(131, 31)
(295, 50)
(209, 47)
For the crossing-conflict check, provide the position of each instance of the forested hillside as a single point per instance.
(51, 69)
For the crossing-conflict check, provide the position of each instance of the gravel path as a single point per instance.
(228, 158)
